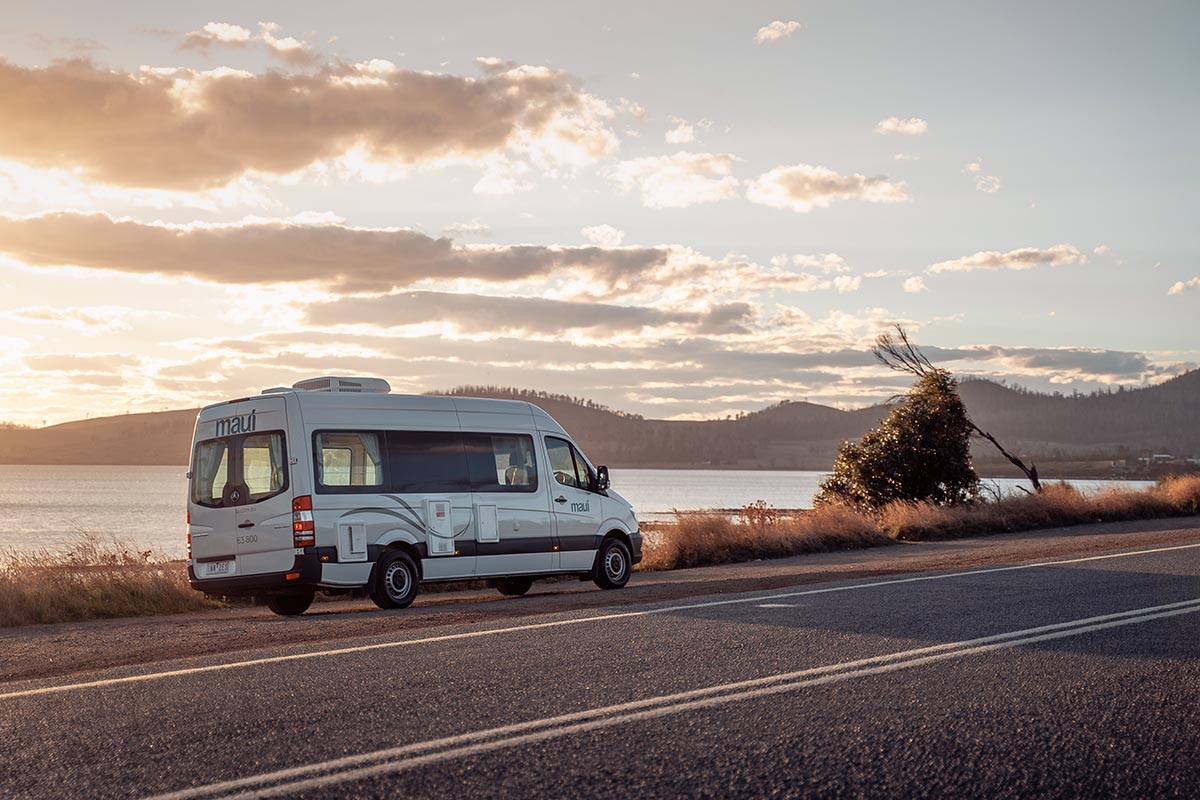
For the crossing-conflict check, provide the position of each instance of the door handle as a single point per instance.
(246, 524)
(560, 499)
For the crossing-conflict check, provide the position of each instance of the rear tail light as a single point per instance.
(188, 534)
(303, 530)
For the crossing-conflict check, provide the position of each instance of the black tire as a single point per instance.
(396, 578)
(514, 587)
(613, 564)
(292, 604)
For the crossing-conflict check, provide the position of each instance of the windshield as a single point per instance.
(237, 470)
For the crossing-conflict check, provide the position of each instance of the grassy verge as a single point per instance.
(104, 578)
(698, 539)
(1059, 505)
(97, 578)
(701, 539)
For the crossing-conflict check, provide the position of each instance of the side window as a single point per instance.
(427, 461)
(562, 463)
(501, 462)
(348, 460)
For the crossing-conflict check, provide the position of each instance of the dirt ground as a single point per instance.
(56, 650)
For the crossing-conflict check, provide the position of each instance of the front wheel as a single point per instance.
(612, 565)
(395, 581)
(291, 604)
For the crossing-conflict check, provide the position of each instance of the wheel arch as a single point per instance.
(404, 546)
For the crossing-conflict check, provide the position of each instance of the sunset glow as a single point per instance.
(684, 217)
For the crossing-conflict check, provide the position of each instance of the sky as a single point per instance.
(682, 212)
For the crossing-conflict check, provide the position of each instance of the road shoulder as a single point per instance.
(46, 651)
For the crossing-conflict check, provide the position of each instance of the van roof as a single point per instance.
(464, 406)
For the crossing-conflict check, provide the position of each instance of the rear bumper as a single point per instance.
(308, 565)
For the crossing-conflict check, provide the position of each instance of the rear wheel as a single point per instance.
(613, 564)
(395, 580)
(291, 604)
(514, 587)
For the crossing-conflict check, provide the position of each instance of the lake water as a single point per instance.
(46, 507)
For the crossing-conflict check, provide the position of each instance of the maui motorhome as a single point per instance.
(337, 484)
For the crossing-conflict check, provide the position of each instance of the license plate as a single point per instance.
(218, 568)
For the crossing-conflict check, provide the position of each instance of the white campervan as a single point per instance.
(336, 484)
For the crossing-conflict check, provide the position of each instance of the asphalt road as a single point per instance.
(1075, 678)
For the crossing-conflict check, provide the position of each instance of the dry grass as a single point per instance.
(97, 578)
(701, 539)
(1059, 505)
(104, 578)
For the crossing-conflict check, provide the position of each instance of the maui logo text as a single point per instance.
(231, 425)
(584, 506)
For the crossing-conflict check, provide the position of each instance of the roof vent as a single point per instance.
(344, 385)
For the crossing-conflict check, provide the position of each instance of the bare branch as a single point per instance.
(899, 353)
(1030, 472)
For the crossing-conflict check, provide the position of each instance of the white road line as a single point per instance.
(317, 775)
(564, 622)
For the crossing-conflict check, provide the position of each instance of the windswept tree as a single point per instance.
(922, 451)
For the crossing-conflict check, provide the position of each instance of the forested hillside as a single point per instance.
(1081, 434)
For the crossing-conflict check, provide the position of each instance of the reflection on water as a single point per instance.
(45, 507)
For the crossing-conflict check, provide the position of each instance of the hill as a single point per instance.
(1066, 435)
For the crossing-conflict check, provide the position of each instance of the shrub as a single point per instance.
(920, 453)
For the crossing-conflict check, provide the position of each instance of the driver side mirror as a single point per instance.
(602, 481)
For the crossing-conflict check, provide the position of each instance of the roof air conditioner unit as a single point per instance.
(343, 385)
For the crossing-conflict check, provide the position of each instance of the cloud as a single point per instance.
(189, 130)
(1101, 250)
(474, 313)
(1179, 287)
(989, 184)
(474, 228)
(906, 157)
(72, 363)
(335, 255)
(85, 321)
(914, 285)
(287, 49)
(822, 262)
(913, 126)
(973, 168)
(503, 176)
(846, 283)
(1024, 258)
(603, 235)
(803, 187)
(774, 31)
(679, 180)
(217, 33)
(682, 133)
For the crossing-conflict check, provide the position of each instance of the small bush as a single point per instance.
(97, 578)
